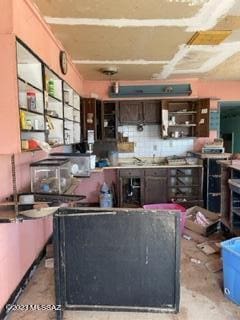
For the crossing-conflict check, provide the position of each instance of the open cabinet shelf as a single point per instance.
(49, 108)
(185, 118)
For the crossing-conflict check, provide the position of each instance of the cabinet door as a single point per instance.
(130, 112)
(88, 116)
(131, 192)
(203, 107)
(156, 190)
(109, 120)
(151, 111)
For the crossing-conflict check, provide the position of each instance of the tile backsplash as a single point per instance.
(148, 142)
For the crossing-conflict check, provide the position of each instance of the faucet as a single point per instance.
(153, 161)
(138, 159)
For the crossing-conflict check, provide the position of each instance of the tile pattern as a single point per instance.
(148, 142)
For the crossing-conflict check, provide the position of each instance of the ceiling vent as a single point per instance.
(211, 38)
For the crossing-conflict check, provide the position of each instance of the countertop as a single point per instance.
(147, 166)
(212, 155)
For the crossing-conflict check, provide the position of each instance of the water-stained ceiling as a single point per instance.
(148, 39)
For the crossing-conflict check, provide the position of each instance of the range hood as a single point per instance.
(166, 90)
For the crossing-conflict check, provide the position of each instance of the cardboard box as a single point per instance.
(203, 230)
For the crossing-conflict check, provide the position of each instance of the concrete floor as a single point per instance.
(201, 295)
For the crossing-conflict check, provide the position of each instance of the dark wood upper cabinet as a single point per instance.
(130, 112)
(91, 117)
(185, 118)
(109, 120)
(140, 111)
(203, 110)
(152, 111)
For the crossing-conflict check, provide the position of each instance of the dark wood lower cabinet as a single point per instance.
(155, 190)
(160, 185)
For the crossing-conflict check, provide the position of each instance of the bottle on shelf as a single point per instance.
(51, 87)
(31, 100)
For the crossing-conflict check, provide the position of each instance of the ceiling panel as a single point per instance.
(194, 60)
(228, 23)
(125, 72)
(140, 9)
(105, 43)
(228, 70)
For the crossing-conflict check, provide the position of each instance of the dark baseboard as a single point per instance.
(24, 282)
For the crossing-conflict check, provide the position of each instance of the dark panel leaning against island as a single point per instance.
(125, 260)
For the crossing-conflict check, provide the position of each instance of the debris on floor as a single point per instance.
(202, 221)
(208, 248)
(214, 265)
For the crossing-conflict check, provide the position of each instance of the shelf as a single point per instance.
(25, 130)
(31, 150)
(69, 105)
(236, 211)
(53, 97)
(29, 84)
(66, 119)
(76, 121)
(182, 112)
(54, 117)
(183, 125)
(184, 186)
(34, 112)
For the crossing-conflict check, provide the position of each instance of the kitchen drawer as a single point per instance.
(155, 172)
(131, 172)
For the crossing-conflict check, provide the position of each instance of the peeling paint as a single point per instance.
(222, 52)
(205, 19)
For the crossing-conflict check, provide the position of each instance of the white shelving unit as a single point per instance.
(72, 129)
(31, 96)
(49, 108)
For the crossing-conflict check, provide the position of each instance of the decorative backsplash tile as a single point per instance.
(148, 142)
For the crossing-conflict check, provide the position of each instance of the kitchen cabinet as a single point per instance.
(212, 184)
(185, 118)
(140, 111)
(185, 185)
(182, 185)
(131, 188)
(152, 112)
(109, 120)
(233, 222)
(130, 112)
(230, 197)
(155, 190)
(91, 118)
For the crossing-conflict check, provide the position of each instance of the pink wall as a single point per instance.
(90, 187)
(21, 243)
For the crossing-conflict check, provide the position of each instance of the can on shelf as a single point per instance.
(31, 100)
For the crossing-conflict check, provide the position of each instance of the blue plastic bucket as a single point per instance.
(231, 269)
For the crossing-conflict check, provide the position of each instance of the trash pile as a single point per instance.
(202, 226)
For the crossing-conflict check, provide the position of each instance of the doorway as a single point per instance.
(230, 125)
